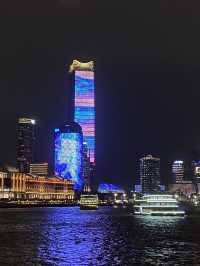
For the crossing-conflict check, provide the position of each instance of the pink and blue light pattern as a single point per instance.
(84, 111)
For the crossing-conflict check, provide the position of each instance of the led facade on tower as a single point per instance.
(68, 153)
(84, 103)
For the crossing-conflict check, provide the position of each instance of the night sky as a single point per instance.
(147, 69)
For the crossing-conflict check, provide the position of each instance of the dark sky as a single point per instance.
(147, 67)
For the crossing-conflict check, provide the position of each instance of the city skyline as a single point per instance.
(69, 149)
(136, 166)
(99, 139)
(147, 83)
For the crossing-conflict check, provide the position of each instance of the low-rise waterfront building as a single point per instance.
(185, 187)
(110, 188)
(21, 186)
(111, 193)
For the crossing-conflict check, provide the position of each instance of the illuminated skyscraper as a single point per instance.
(68, 153)
(150, 174)
(25, 143)
(178, 171)
(84, 102)
(195, 165)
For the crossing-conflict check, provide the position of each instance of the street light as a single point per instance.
(115, 196)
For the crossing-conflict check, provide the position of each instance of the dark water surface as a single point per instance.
(68, 236)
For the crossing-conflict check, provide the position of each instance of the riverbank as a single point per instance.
(190, 209)
(36, 204)
(42, 204)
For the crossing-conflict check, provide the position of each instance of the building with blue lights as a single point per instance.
(84, 102)
(68, 153)
(138, 188)
(109, 188)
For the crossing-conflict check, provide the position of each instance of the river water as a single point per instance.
(68, 236)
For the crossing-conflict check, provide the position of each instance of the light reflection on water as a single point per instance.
(68, 236)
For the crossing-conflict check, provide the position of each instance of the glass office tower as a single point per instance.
(68, 153)
(178, 171)
(25, 143)
(150, 174)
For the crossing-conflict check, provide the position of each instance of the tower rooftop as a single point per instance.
(77, 65)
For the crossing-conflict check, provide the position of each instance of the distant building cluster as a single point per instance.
(185, 177)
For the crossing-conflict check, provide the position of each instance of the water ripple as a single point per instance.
(68, 236)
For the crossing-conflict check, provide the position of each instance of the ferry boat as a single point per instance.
(158, 204)
(89, 202)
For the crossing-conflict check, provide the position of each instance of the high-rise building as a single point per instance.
(40, 169)
(178, 171)
(150, 174)
(25, 143)
(68, 153)
(84, 102)
(86, 166)
(196, 171)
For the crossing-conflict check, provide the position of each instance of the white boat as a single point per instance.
(158, 204)
(89, 202)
